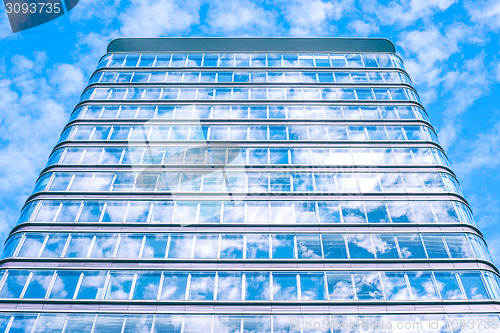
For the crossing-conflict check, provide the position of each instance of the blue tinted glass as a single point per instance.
(283, 246)
(65, 284)
(104, 246)
(447, 285)
(23, 323)
(231, 247)
(340, 286)
(14, 284)
(31, 245)
(80, 323)
(27, 212)
(229, 286)
(11, 245)
(329, 212)
(368, 285)
(257, 246)
(168, 323)
(385, 246)
(309, 247)
(155, 246)
(119, 285)
(79, 245)
(422, 285)
(138, 323)
(411, 246)
(334, 246)
(377, 212)
(174, 286)
(257, 286)
(473, 285)
(54, 245)
(92, 285)
(202, 286)
(39, 284)
(395, 286)
(108, 323)
(305, 211)
(360, 246)
(434, 244)
(285, 286)
(312, 286)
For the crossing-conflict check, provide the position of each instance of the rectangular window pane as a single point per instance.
(473, 285)
(180, 246)
(395, 286)
(206, 246)
(202, 286)
(368, 286)
(340, 286)
(92, 285)
(229, 287)
(312, 287)
(435, 246)
(65, 284)
(155, 246)
(129, 246)
(360, 246)
(257, 246)
(147, 285)
(257, 286)
(309, 247)
(120, 284)
(284, 286)
(447, 285)
(174, 286)
(422, 285)
(411, 246)
(283, 246)
(231, 247)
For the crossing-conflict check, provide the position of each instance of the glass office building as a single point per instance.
(248, 185)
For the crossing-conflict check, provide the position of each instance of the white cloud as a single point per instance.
(311, 17)
(32, 119)
(68, 79)
(497, 71)
(159, 17)
(493, 241)
(5, 29)
(427, 49)
(462, 87)
(467, 84)
(230, 16)
(486, 209)
(484, 152)
(448, 133)
(87, 10)
(405, 13)
(364, 28)
(486, 13)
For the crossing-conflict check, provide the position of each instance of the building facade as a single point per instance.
(248, 185)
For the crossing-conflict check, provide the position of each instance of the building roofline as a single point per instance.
(274, 44)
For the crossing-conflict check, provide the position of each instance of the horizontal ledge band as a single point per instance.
(279, 44)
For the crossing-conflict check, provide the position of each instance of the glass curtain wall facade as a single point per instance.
(248, 185)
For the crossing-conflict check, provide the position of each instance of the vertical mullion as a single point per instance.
(78, 285)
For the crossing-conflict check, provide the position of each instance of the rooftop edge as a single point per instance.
(275, 44)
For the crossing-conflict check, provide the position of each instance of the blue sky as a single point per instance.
(450, 48)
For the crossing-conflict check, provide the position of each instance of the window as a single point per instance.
(147, 285)
(174, 286)
(283, 246)
(202, 286)
(284, 286)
